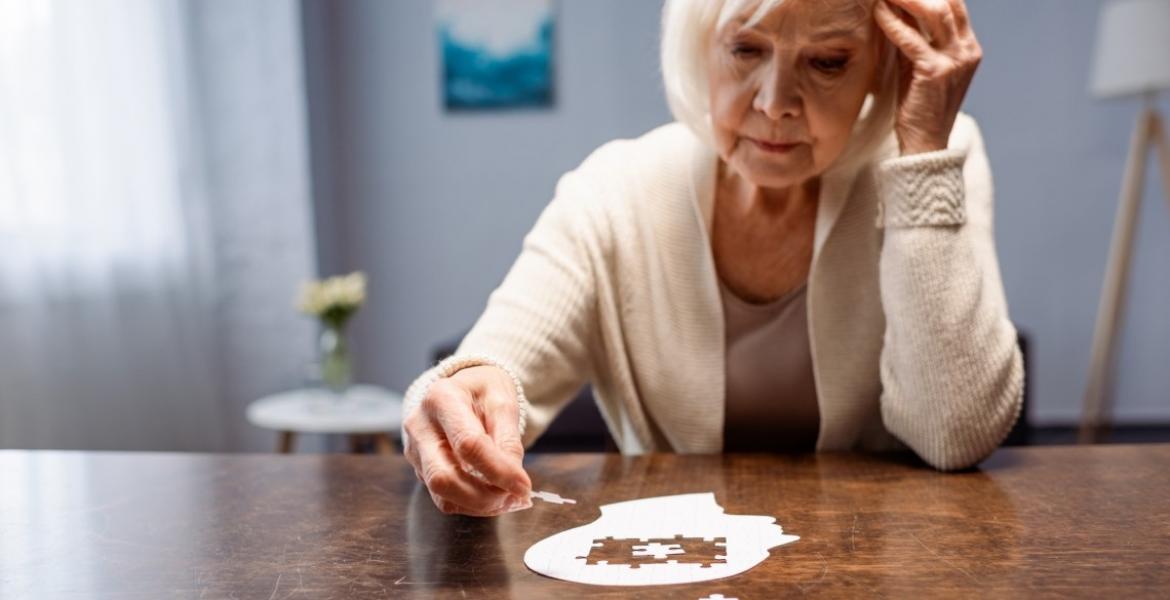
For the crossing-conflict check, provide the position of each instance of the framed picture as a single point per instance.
(497, 54)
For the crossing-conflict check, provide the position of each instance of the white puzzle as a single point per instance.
(657, 541)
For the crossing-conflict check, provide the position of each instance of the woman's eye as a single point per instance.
(829, 66)
(745, 51)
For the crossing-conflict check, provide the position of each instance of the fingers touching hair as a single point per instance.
(687, 28)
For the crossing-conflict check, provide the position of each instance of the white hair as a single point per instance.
(687, 26)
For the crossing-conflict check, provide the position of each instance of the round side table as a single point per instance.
(366, 414)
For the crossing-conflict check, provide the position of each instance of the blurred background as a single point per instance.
(172, 171)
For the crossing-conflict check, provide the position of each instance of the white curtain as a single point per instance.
(124, 305)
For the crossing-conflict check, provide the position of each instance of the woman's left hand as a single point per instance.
(937, 68)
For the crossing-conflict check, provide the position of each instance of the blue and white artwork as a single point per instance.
(496, 53)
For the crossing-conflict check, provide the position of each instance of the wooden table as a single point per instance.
(1055, 522)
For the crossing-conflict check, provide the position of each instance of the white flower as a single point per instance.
(336, 294)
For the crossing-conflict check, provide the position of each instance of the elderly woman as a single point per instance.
(804, 261)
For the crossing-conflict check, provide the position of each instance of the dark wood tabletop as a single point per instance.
(1033, 522)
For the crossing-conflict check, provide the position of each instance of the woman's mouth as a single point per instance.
(775, 148)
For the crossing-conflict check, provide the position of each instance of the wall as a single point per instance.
(1058, 156)
(434, 206)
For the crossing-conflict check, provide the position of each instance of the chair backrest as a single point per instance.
(1021, 433)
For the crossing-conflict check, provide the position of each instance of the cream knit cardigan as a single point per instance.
(616, 284)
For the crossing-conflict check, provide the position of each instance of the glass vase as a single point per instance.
(336, 367)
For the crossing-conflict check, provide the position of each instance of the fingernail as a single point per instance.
(513, 504)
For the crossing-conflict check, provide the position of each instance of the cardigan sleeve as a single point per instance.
(951, 369)
(538, 322)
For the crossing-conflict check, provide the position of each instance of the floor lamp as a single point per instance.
(1132, 59)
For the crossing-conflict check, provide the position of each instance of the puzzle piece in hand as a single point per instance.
(552, 498)
(636, 552)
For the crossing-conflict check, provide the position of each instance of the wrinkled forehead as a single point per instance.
(807, 14)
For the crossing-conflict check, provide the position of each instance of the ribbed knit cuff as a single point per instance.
(453, 364)
(922, 190)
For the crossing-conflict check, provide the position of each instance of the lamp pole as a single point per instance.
(1149, 131)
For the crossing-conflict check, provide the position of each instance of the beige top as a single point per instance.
(616, 285)
(771, 397)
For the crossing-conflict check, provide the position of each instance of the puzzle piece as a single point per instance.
(714, 549)
(636, 552)
(657, 550)
(614, 552)
(552, 498)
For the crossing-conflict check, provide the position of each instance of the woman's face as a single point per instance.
(786, 92)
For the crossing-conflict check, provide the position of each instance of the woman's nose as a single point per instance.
(778, 95)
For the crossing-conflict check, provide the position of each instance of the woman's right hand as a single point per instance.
(464, 443)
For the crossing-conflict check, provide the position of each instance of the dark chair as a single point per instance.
(579, 427)
(1021, 433)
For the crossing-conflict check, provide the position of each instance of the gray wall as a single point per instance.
(434, 206)
(1058, 157)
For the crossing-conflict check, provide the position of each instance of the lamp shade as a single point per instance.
(1133, 48)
